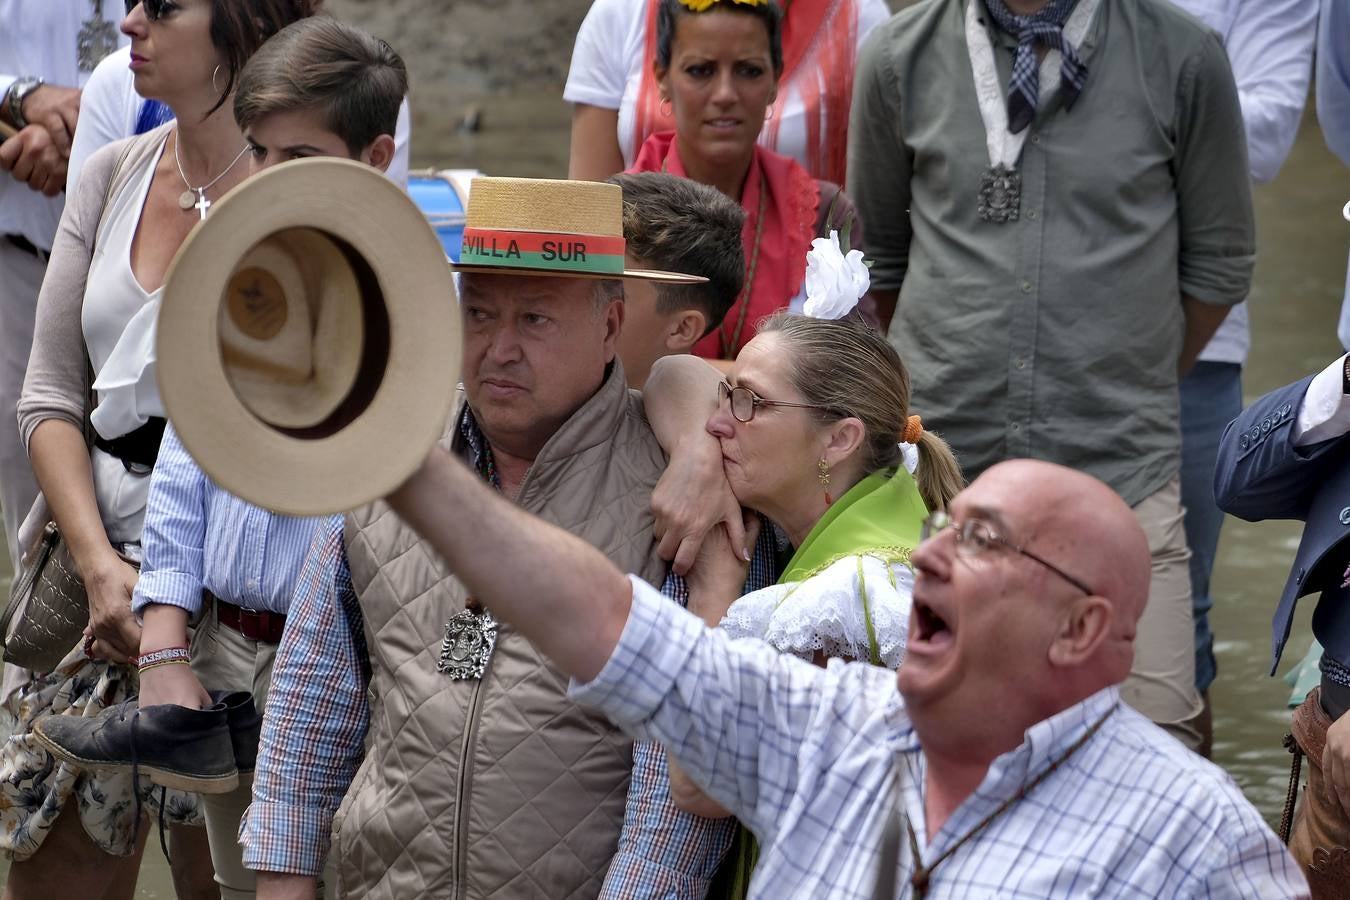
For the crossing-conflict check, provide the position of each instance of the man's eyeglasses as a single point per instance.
(154, 9)
(974, 537)
(744, 401)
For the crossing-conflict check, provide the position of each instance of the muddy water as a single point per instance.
(1299, 280)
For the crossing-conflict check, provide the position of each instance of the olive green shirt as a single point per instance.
(1055, 336)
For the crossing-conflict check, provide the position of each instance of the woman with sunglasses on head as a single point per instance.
(71, 834)
(814, 433)
(717, 67)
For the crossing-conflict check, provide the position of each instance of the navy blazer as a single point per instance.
(1262, 475)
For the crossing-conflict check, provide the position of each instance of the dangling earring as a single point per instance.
(823, 468)
(664, 108)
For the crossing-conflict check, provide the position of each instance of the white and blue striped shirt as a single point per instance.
(811, 761)
(199, 536)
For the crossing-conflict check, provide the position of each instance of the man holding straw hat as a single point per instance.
(479, 775)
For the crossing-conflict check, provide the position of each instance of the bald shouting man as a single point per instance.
(1004, 766)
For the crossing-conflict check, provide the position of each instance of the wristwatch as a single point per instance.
(14, 99)
(1345, 375)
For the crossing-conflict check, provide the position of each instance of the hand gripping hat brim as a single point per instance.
(308, 340)
(552, 228)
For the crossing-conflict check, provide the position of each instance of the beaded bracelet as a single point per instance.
(161, 664)
(162, 657)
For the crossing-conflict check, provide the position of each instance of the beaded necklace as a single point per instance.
(922, 873)
(729, 348)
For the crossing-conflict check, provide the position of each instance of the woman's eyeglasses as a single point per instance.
(154, 9)
(744, 401)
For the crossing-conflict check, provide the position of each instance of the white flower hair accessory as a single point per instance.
(835, 282)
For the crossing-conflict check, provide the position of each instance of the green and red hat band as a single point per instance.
(592, 253)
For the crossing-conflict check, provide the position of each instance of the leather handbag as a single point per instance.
(47, 610)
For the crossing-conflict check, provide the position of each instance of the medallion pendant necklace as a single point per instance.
(196, 196)
(96, 38)
(919, 880)
(1001, 185)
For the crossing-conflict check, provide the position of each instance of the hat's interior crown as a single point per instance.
(304, 334)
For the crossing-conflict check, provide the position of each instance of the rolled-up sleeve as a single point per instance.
(1217, 223)
(734, 713)
(175, 531)
(317, 716)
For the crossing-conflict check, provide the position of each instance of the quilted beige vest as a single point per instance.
(500, 787)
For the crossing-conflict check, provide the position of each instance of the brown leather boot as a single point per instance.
(1320, 837)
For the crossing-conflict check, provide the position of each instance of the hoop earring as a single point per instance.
(214, 73)
(664, 108)
(768, 112)
(823, 469)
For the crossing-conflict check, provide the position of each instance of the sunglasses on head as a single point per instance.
(154, 9)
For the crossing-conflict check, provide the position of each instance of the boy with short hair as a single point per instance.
(676, 225)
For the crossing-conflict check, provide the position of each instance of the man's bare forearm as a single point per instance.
(1202, 320)
(556, 589)
(285, 886)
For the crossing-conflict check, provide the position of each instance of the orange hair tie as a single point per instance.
(913, 430)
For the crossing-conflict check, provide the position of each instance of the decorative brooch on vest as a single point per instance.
(470, 636)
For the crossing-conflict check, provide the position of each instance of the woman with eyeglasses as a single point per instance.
(814, 432)
(92, 372)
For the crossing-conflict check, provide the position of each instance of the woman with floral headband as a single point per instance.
(717, 67)
(814, 433)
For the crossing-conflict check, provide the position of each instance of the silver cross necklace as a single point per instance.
(195, 197)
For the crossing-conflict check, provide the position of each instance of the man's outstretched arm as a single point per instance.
(567, 599)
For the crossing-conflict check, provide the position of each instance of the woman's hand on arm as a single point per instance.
(595, 152)
(60, 461)
(693, 494)
(718, 575)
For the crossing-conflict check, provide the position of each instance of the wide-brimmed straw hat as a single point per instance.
(308, 341)
(541, 226)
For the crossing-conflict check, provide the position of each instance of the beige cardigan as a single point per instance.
(56, 385)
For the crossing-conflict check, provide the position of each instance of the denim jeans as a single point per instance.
(1211, 397)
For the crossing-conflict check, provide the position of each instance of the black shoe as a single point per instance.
(177, 747)
(245, 723)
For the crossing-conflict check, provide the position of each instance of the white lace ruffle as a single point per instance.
(825, 612)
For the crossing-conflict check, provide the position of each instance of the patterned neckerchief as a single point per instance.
(1045, 27)
(480, 453)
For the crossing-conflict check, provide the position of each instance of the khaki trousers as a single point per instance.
(1162, 680)
(1321, 832)
(20, 278)
(223, 659)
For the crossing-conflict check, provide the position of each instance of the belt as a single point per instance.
(254, 624)
(19, 242)
(137, 449)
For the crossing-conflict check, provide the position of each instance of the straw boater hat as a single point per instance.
(538, 226)
(308, 343)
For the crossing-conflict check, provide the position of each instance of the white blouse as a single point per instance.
(118, 319)
(824, 613)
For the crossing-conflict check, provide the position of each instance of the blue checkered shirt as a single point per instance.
(811, 760)
(314, 736)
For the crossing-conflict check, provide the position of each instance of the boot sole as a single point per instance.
(200, 784)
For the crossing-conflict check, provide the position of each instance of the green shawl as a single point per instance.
(879, 516)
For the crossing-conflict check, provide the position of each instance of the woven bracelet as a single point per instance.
(160, 657)
(161, 664)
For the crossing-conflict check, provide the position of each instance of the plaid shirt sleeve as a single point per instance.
(317, 715)
(663, 851)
